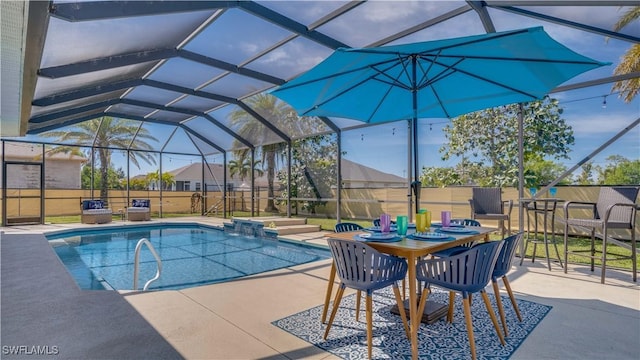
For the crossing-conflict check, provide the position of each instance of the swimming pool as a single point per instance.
(191, 255)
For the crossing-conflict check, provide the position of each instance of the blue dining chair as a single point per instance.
(376, 222)
(468, 272)
(363, 268)
(344, 227)
(347, 226)
(503, 265)
(460, 248)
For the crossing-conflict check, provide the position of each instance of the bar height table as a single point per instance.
(544, 207)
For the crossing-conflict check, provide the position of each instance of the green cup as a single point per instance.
(402, 222)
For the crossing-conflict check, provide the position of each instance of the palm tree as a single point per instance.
(275, 112)
(165, 183)
(630, 62)
(241, 167)
(105, 134)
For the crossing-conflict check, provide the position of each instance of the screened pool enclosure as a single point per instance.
(170, 101)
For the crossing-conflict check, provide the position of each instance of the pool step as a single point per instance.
(292, 229)
(274, 226)
(275, 220)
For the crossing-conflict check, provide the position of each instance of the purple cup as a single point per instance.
(445, 217)
(385, 223)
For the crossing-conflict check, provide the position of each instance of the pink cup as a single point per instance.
(385, 223)
(445, 217)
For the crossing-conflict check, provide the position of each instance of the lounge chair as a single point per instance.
(139, 210)
(95, 212)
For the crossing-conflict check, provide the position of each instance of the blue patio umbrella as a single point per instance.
(435, 79)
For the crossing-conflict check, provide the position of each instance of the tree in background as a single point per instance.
(116, 178)
(541, 172)
(274, 111)
(105, 134)
(586, 175)
(630, 62)
(313, 172)
(138, 183)
(241, 168)
(619, 171)
(153, 178)
(488, 139)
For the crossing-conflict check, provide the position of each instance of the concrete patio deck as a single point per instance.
(42, 306)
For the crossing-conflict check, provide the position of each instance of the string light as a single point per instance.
(393, 131)
(604, 102)
(361, 137)
(591, 97)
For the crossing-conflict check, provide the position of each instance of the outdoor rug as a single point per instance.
(440, 340)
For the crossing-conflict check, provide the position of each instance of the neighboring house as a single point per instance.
(354, 175)
(189, 178)
(62, 170)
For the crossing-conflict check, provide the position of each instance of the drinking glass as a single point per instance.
(553, 192)
(533, 190)
(385, 223)
(421, 222)
(445, 217)
(428, 220)
(402, 222)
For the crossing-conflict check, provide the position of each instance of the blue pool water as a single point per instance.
(191, 256)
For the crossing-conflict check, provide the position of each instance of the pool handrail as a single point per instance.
(136, 263)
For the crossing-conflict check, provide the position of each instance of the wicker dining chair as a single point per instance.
(616, 208)
(363, 268)
(468, 272)
(487, 204)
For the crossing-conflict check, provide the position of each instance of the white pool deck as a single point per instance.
(233, 320)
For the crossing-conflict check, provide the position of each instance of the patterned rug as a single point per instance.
(440, 340)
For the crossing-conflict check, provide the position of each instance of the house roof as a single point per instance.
(355, 172)
(351, 172)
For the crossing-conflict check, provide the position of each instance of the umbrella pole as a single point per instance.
(410, 171)
(416, 185)
(414, 127)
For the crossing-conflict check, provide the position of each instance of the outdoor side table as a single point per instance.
(546, 207)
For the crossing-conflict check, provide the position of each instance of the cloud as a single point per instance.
(600, 124)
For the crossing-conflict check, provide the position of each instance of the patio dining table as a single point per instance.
(411, 250)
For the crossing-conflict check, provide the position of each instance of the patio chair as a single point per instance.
(487, 204)
(363, 268)
(503, 265)
(616, 208)
(94, 212)
(468, 272)
(140, 210)
(347, 226)
(344, 227)
(376, 222)
(460, 248)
